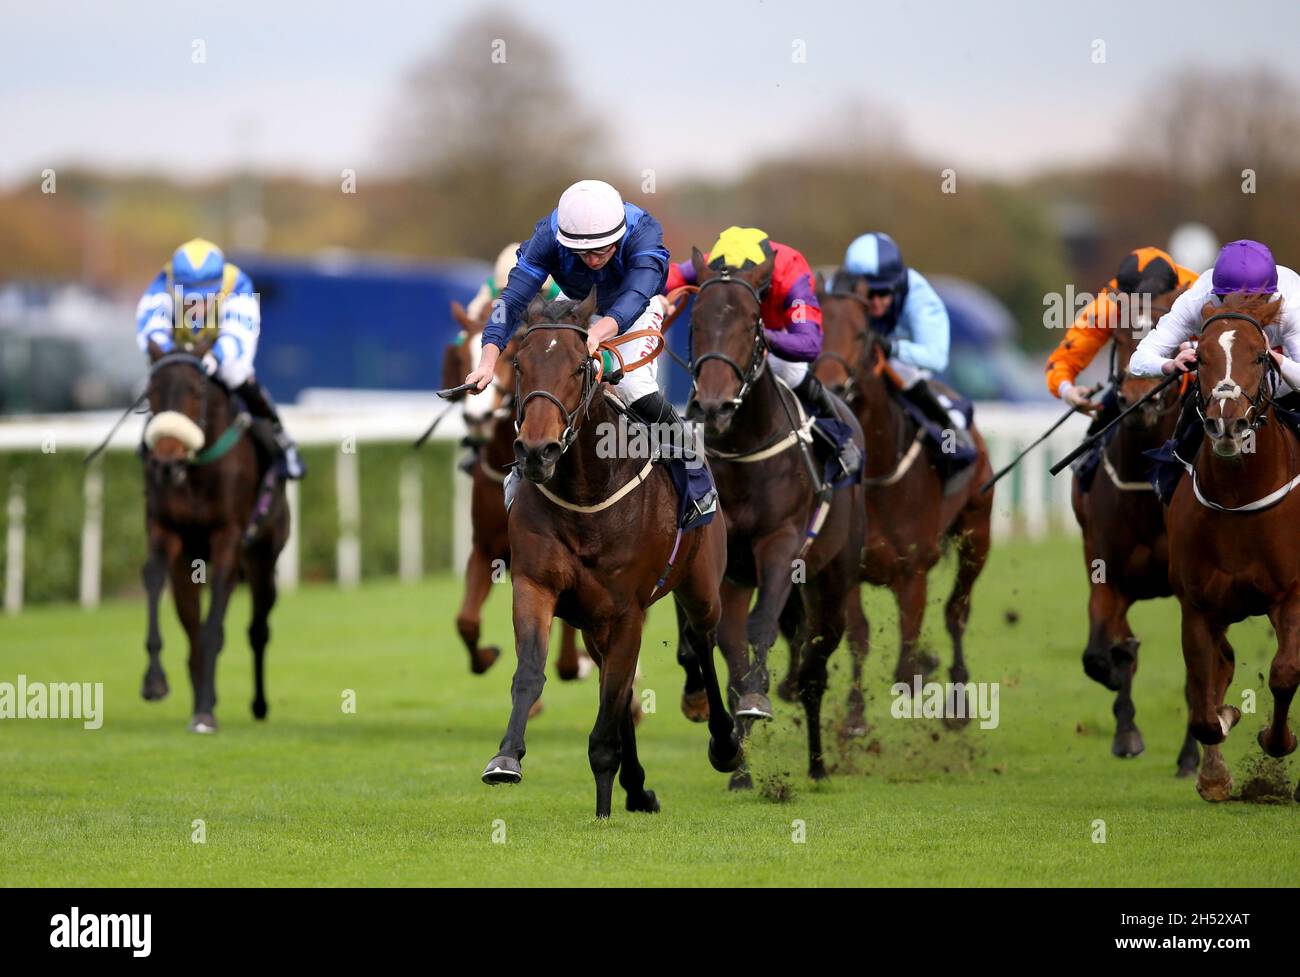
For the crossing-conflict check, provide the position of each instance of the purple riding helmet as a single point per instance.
(1245, 266)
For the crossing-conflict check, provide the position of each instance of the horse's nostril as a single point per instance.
(551, 452)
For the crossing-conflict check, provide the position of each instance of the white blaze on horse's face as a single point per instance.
(1227, 388)
(550, 346)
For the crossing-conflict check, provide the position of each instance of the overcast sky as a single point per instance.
(999, 86)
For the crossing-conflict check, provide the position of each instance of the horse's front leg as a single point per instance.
(612, 743)
(1276, 739)
(223, 576)
(774, 556)
(163, 547)
(534, 609)
(1208, 657)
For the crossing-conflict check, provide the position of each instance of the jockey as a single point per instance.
(1144, 271)
(905, 309)
(792, 316)
(595, 240)
(1242, 266)
(205, 286)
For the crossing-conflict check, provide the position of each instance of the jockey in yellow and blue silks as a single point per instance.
(905, 309)
(199, 275)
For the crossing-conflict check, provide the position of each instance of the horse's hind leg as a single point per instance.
(259, 564)
(735, 649)
(223, 576)
(859, 633)
(792, 620)
(607, 747)
(1124, 655)
(478, 584)
(1276, 739)
(910, 589)
(695, 698)
(773, 556)
(163, 548)
(1189, 757)
(534, 609)
(826, 598)
(567, 665)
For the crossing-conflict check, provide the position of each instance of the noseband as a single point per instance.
(590, 383)
(758, 357)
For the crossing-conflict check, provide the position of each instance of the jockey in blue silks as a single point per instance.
(905, 309)
(198, 286)
(595, 240)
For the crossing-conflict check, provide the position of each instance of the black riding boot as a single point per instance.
(675, 442)
(820, 402)
(260, 405)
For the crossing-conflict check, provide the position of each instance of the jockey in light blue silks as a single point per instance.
(905, 309)
(206, 286)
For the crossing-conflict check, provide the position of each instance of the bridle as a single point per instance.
(188, 359)
(591, 376)
(748, 376)
(863, 335)
(1229, 389)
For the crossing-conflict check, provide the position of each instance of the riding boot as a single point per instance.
(820, 402)
(676, 443)
(925, 398)
(260, 405)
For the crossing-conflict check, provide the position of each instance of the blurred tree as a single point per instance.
(488, 124)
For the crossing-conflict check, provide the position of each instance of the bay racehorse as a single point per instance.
(595, 541)
(1125, 547)
(215, 512)
(489, 422)
(911, 513)
(1232, 530)
(799, 555)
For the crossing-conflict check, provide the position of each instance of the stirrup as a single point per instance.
(699, 508)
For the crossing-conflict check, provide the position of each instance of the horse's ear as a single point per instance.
(155, 352)
(759, 275)
(536, 308)
(699, 264)
(462, 316)
(860, 287)
(819, 284)
(586, 308)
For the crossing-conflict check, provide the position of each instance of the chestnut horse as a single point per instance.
(1232, 530)
(772, 505)
(489, 420)
(1125, 548)
(595, 542)
(202, 481)
(910, 514)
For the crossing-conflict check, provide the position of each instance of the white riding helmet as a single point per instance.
(591, 216)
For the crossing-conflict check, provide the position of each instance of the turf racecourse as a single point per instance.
(389, 795)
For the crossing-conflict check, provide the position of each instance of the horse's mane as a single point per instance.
(557, 309)
(1262, 308)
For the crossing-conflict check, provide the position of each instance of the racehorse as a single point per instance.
(203, 480)
(911, 513)
(489, 420)
(800, 555)
(1232, 538)
(595, 541)
(1125, 548)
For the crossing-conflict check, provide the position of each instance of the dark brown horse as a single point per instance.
(489, 420)
(1232, 531)
(1125, 548)
(202, 479)
(752, 436)
(595, 542)
(911, 514)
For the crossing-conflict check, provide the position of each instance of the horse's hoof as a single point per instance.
(741, 780)
(725, 762)
(788, 690)
(503, 770)
(754, 705)
(1214, 790)
(1127, 744)
(203, 722)
(483, 659)
(154, 690)
(647, 803)
(1182, 773)
(535, 709)
(1215, 782)
(1285, 748)
(695, 706)
(817, 771)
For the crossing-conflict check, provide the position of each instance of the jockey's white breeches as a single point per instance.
(645, 379)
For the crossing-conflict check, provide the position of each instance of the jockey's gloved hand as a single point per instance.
(1184, 362)
(1080, 398)
(210, 364)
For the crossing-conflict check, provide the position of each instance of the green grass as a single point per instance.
(391, 796)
